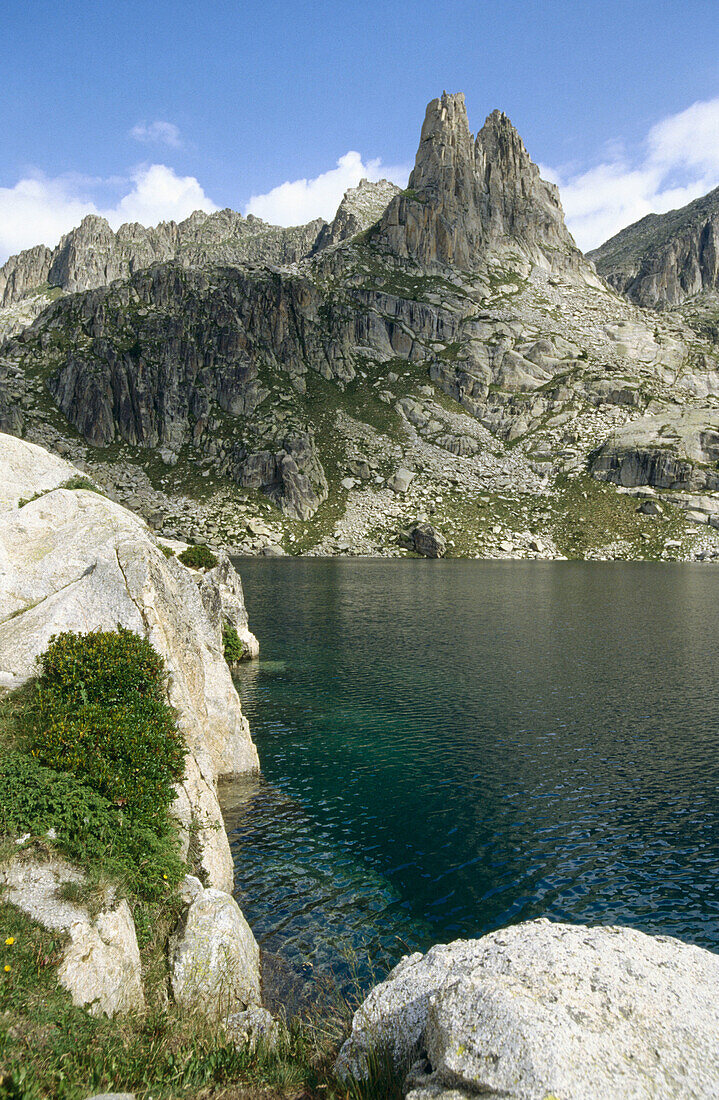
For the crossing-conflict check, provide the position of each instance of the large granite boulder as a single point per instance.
(100, 965)
(73, 560)
(543, 1010)
(214, 957)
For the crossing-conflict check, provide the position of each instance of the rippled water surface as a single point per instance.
(448, 747)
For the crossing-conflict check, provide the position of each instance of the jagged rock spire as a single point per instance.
(468, 198)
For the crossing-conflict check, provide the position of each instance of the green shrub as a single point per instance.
(168, 551)
(233, 646)
(89, 828)
(100, 711)
(198, 557)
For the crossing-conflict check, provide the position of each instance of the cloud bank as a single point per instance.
(296, 202)
(40, 209)
(678, 161)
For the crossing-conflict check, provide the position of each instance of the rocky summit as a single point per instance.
(441, 357)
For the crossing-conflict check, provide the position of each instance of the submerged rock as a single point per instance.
(542, 1009)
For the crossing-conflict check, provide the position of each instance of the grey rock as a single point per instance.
(542, 1009)
(214, 957)
(427, 541)
(401, 480)
(75, 560)
(650, 508)
(361, 207)
(224, 601)
(254, 1025)
(100, 965)
(663, 259)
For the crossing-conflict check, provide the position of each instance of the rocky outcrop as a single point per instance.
(224, 600)
(74, 560)
(470, 198)
(427, 541)
(542, 1009)
(92, 255)
(214, 957)
(100, 965)
(678, 450)
(663, 259)
(361, 208)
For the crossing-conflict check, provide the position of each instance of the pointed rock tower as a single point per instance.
(468, 198)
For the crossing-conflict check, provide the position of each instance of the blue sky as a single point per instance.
(140, 110)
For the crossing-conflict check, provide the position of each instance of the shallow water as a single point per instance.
(448, 747)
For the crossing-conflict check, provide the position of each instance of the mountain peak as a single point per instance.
(470, 198)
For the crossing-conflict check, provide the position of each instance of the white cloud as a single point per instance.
(158, 194)
(677, 162)
(39, 209)
(157, 133)
(296, 202)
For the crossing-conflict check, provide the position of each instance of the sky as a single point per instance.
(146, 111)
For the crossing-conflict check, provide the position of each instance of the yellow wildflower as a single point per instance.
(8, 969)
(9, 941)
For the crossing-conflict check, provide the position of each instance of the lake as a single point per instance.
(451, 746)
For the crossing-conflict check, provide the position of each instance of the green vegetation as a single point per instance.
(198, 557)
(232, 644)
(89, 752)
(92, 751)
(51, 1049)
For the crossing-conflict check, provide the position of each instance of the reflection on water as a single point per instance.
(450, 746)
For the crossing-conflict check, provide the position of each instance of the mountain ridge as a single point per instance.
(457, 359)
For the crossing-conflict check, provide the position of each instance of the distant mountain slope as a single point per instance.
(665, 258)
(454, 357)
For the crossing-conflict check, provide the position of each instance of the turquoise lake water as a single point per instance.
(448, 747)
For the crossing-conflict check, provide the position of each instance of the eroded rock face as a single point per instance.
(92, 255)
(470, 197)
(361, 207)
(214, 957)
(678, 450)
(543, 1009)
(74, 560)
(100, 965)
(663, 259)
(224, 600)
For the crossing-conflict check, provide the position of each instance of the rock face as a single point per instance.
(74, 560)
(470, 197)
(428, 542)
(678, 450)
(542, 1009)
(214, 957)
(361, 207)
(92, 255)
(224, 600)
(100, 966)
(663, 259)
(461, 337)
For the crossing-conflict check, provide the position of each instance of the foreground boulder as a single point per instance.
(70, 559)
(427, 541)
(542, 1009)
(215, 959)
(100, 965)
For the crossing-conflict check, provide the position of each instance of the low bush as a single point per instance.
(198, 557)
(232, 644)
(93, 753)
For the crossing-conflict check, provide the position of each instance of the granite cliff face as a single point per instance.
(93, 255)
(664, 259)
(454, 354)
(470, 196)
